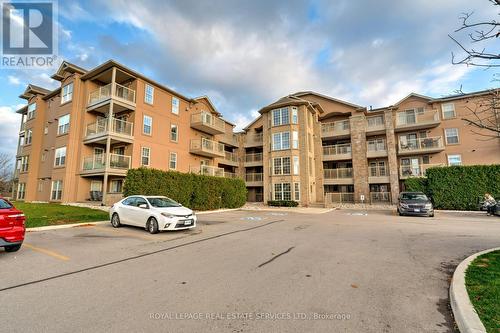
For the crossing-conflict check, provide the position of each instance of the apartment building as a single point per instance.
(317, 149)
(77, 142)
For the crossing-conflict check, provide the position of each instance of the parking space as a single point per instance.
(388, 273)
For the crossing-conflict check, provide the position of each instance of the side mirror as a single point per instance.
(143, 206)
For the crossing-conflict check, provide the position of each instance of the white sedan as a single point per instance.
(154, 213)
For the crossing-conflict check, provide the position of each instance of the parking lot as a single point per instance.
(244, 271)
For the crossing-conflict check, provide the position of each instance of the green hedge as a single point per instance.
(458, 187)
(417, 184)
(283, 203)
(194, 191)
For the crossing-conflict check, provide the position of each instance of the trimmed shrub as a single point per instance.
(416, 185)
(459, 187)
(283, 203)
(194, 191)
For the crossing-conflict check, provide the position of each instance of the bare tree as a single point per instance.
(484, 114)
(479, 34)
(6, 170)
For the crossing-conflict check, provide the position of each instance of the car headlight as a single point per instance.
(404, 205)
(167, 215)
(428, 206)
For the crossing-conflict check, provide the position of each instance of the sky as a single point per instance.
(247, 54)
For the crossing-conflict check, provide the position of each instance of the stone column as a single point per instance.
(359, 159)
(392, 156)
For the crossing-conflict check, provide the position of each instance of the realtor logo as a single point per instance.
(29, 38)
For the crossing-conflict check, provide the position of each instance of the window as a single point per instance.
(454, 160)
(173, 133)
(173, 161)
(96, 185)
(296, 168)
(280, 117)
(282, 191)
(67, 93)
(295, 140)
(24, 163)
(281, 141)
(31, 111)
(281, 166)
(448, 110)
(145, 156)
(63, 124)
(116, 186)
(60, 156)
(295, 115)
(29, 137)
(175, 105)
(56, 193)
(149, 92)
(40, 185)
(46, 130)
(296, 190)
(21, 191)
(451, 135)
(44, 156)
(147, 125)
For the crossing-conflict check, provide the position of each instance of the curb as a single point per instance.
(64, 226)
(465, 315)
(216, 211)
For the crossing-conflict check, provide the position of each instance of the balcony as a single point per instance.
(336, 129)
(206, 147)
(120, 94)
(113, 164)
(254, 179)
(375, 125)
(230, 159)
(254, 140)
(337, 152)
(338, 197)
(253, 159)
(208, 123)
(412, 120)
(378, 174)
(422, 145)
(380, 197)
(98, 131)
(208, 170)
(229, 139)
(376, 148)
(408, 171)
(341, 176)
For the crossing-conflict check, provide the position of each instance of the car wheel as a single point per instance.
(400, 214)
(152, 226)
(12, 248)
(431, 215)
(115, 221)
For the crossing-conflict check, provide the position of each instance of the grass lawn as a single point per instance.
(42, 214)
(482, 280)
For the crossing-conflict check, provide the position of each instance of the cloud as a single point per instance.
(9, 129)
(14, 80)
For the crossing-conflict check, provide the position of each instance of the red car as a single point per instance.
(11, 226)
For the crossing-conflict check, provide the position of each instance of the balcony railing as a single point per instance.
(407, 171)
(339, 150)
(336, 128)
(232, 157)
(376, 146)
(208, 170)
(207, 147)
(105, 92)
(414, 117)
(207, 122)
(252, 158)
(253, 177)
(421, 144)
(339, 197)
(375, 123)
(340, 173)
(378, 171)
(99, 162)
(255, 139)
(380, 197)
(118, 126)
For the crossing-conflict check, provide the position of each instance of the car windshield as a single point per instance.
(163, 202)
(413, 196)
(4, 204)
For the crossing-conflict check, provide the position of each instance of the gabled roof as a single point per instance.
(472, 94)
(205, 97)
(302, 93)
(67, 67)
(413, 95)
(52, 93)
(291, 100)
(31, 90)
(251, 123)
(22, 110)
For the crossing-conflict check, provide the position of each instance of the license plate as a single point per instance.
(417, 210)
(188, 222)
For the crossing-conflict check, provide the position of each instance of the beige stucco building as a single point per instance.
(77, 142)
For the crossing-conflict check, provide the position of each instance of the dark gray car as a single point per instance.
(415, 203)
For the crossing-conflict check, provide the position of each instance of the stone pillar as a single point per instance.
(359, 159)
(392, 156)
